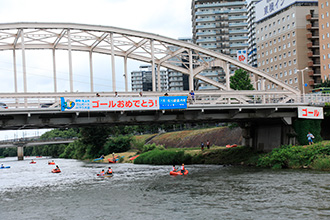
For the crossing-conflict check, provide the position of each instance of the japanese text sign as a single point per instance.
(173, 102)
(265, 8)
(109, 103)
(310, 112)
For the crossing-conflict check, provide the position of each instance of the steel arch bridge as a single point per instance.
(157, 50)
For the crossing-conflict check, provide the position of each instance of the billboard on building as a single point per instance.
(265, 8)
(242, 56)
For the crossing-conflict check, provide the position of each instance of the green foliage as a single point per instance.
(303, 126)
(233, 156)
(293, 156)
(149, 147)
(163, 157)
(95, 138)
(322, 162)
(137, 144)
(117, 144)
(241, 81)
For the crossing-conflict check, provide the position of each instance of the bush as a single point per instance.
(293, 156)
(163, 157)
(321, 163)
(150, 147)
(117, 144)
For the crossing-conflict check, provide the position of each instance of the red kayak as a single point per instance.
(33, 162)
(51, 163)
(55, 171)
(112, 161)
(230, 146)
(175, 173)
(132, 158)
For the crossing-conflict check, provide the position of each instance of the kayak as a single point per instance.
(98, 159)
(5, 167)
(112, 161)
(51, 163)
(175, 173)
(55, 171)
(33, 162)
(230, 146)
(105, 175)
(132, 158)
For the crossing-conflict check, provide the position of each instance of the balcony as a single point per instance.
(310, 63)
(308, 26)
(311, 83)
(309, 35)
(312, 17)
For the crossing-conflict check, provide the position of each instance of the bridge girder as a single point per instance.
(137, 45)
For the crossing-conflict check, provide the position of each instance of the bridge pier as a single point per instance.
(20, 153)
(268, 134)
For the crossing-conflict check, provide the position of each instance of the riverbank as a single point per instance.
(316, 156)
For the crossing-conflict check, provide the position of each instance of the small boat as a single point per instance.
(132, 158)
(56, 171)
(51, 163)
(33, 162)
(5, 167)
(38, 156)
(111, 160)
(230, 146)
(105, 175)
(175, 173)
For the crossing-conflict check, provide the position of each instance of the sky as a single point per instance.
(170, 18)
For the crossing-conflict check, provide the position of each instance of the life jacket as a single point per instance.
(182, 167)
(109, 170)
(173, 169)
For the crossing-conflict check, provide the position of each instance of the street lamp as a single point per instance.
(302, 80)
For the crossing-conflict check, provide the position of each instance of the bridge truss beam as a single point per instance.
(157, 50)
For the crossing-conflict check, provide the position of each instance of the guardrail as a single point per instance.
(52, 100)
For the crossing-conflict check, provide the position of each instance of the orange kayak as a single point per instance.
(55, 171)
(175, 173)
(132, 158)
(51, 163)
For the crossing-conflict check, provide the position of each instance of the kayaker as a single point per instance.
(174, 169)
(109, 170)
(102, 173)
(32, 161)
(2, 166)
(182, 168)
(57, 168)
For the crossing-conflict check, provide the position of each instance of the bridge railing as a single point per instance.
(45, 101)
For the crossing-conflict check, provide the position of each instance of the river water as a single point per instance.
(31, 191)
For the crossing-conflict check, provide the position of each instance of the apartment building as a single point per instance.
(220, 26)
(324, 29)
(142, 79)
(283, 36)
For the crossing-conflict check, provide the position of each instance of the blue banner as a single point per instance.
(173, 102)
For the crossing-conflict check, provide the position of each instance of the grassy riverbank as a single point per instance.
(316, 156)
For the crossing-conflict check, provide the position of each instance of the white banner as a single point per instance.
(310, 112)
(109, 103)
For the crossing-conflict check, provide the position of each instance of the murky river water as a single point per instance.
(31, 191)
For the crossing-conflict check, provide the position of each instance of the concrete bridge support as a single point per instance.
(268, 134)
(20, 153)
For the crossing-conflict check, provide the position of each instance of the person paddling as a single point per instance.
(109, 170)
(174, 169)
(182, 168)
(57, 168)
(102, 173)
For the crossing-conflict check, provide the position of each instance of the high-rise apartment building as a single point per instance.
(252, 49)
(220, 26)
(142, 79)
(283, 33)
(324, 29)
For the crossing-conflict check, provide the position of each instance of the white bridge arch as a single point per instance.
(129, 44)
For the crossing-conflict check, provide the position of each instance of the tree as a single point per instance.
(241, 81)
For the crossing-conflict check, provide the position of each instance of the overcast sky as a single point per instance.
(171, 18)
